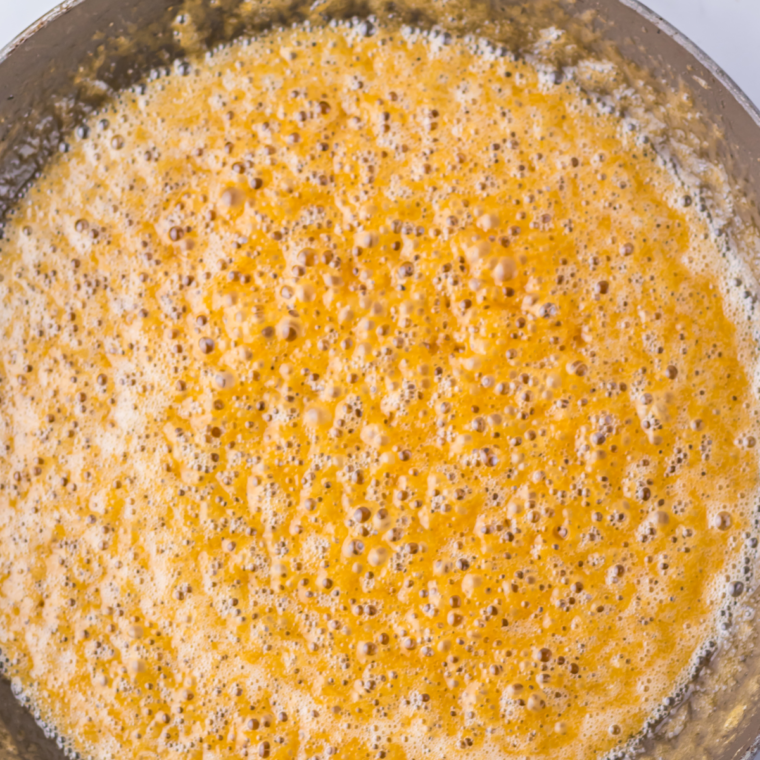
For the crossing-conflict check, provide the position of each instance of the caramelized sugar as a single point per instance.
(364, 397)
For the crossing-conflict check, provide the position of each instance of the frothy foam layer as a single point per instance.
(368, 396)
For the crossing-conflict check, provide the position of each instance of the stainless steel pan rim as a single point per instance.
(35, 26)
(644, 11)
(718, 73)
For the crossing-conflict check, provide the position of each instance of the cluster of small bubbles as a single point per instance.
(359, 412)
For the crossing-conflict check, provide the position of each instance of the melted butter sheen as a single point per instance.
(363, 398)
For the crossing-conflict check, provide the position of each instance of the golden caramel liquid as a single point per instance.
(364, 397)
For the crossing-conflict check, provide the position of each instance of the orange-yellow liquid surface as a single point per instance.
(363, 397)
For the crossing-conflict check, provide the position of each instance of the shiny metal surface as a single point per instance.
(43, 96)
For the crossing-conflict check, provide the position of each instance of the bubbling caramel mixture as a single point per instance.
(365, 396)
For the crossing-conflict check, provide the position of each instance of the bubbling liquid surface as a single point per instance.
(365, 397)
